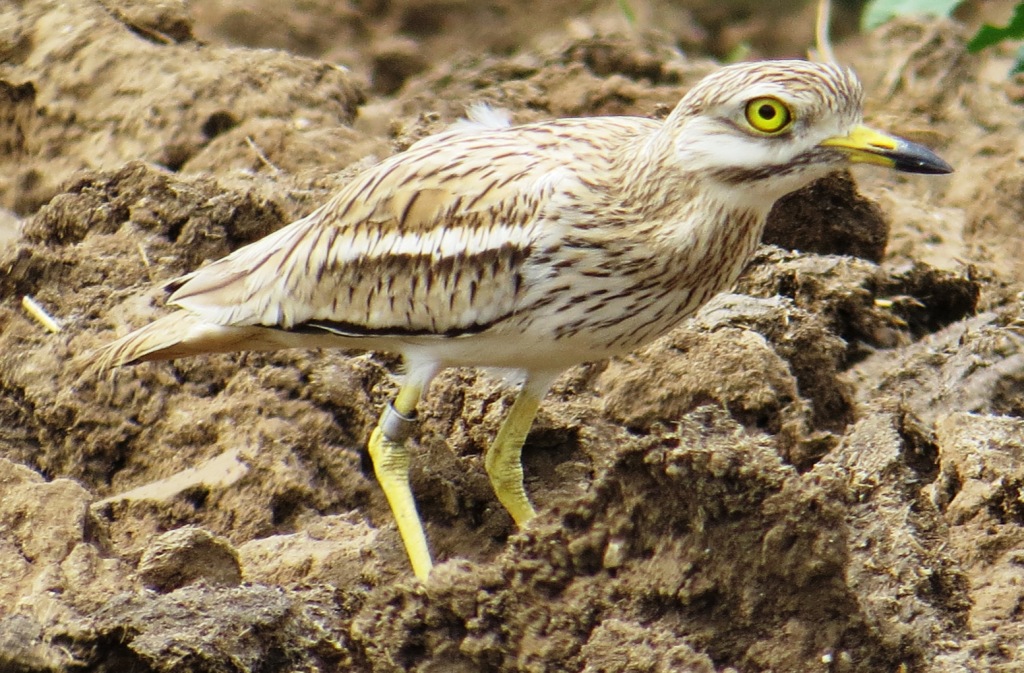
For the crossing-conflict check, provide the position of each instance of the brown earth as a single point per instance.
(821, 472)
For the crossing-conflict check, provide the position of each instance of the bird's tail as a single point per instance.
(179, 334)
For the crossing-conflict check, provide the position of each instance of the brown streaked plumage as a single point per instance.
(531, 248)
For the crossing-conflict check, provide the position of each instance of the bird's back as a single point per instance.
(434, 241)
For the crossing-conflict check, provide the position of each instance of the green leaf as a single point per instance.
(1018, 63)
(988, 35)
(878, 12)
(627, 11)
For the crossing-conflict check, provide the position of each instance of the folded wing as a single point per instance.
(431, 241)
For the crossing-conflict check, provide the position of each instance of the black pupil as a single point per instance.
(767, 112)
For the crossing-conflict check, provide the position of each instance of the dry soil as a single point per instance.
(823, 471)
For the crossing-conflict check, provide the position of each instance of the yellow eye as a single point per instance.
(768, 115)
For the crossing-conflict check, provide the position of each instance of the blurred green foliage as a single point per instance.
(877, 12)
(989, 35)
(627, 11)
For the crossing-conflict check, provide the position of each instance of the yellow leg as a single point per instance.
(503, 458)
(391, 465)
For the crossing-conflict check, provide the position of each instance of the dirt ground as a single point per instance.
(823, 471)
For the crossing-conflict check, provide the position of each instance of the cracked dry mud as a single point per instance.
(823, 471)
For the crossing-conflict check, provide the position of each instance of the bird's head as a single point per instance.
(776, 126)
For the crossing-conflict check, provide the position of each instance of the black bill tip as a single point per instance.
(910, 157)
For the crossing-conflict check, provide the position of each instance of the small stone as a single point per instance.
(188, 555)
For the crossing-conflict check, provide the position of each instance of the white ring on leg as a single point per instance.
(396, 426)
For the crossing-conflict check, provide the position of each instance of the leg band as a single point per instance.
(396, 426)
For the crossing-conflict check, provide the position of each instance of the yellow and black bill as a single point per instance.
(867, 146)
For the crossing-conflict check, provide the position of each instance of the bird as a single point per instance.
(529, 248)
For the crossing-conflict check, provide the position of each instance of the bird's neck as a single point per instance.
(679, 208)
(704, 232)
